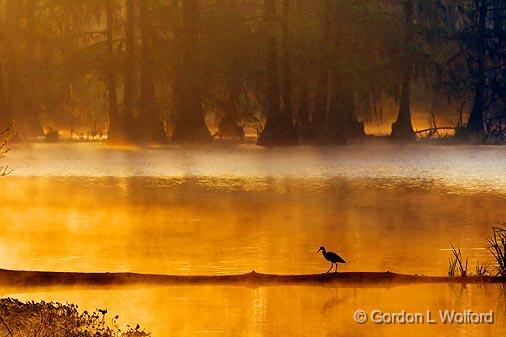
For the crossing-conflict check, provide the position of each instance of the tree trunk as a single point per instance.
(31, 109)
(190, 126)
(69, 37)
(11, 61)
(402, 129)
(319, 110)
(341, 122)
(279, 128)
(332, 132)
(344, 100)
(302, 107)
(176, 64)
(287, 66)
(151, 127)
(302, 124)
(21, 68)
(475, 124)
(5, 117)
(354, 129)
(112, 96)
(228, 122)
(127, 116)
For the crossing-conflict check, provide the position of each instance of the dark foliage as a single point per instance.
(18, 319)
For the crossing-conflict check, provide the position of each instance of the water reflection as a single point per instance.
(285, 310)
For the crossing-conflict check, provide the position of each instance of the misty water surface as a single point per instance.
(233, 209)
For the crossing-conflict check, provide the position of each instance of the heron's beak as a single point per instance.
(318, 251)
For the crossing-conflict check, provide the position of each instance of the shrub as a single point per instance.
(57, 320)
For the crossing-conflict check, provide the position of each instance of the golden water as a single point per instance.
(284, 310)
(225, 210)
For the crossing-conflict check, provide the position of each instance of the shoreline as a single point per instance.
(19, 278)
(366, 139)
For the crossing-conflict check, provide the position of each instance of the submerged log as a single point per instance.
(13, 278)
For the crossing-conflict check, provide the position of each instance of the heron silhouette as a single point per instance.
(331, 257)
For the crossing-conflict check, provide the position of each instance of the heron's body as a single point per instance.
(331, 257)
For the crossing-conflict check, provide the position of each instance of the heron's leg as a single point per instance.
(332, 265)
(336, 267)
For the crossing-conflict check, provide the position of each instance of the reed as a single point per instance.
(497, 247)
(481, 269)
(452, 267)
(457, 263)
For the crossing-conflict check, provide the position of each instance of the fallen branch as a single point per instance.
(352, 279)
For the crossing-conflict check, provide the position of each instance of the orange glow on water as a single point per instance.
(270, 214)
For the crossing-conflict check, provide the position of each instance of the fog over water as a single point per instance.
(469, 167)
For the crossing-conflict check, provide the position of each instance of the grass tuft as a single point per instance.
(497, 247)
(481, 269)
